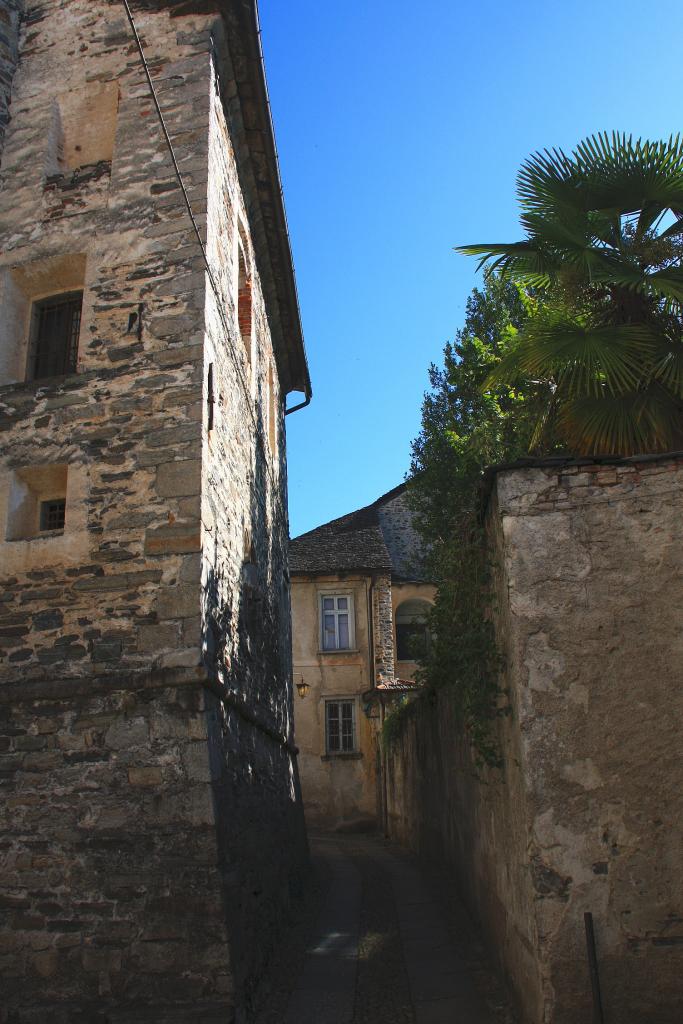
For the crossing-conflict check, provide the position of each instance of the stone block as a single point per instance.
(190, 657)
(127, 733)
(151, 777)
(105, 960)
(180, 602)
(173, 539)
(196, 762)
(175, 479)
(158, 638)
(191, 569)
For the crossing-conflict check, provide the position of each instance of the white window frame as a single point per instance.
(335, 595)
(339, 701)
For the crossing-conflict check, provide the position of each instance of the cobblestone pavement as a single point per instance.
(381, 942)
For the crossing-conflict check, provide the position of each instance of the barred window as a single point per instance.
(53, 514)
(340, 726)
(57, 325)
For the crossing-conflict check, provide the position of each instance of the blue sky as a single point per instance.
(400, 128)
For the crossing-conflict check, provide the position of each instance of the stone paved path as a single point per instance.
(389, 945)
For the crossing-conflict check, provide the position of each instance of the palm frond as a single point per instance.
(668, 369)
(519, 261)
(668, 283)
(620, 424)
(605, 173)
(580, 359)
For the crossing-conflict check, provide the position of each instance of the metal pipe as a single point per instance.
(301, 405)
(598, 1016)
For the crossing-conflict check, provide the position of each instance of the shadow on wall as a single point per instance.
(262, 847)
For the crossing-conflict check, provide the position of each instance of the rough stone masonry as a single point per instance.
(150, 823)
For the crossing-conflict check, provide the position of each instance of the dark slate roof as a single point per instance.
(351, 543)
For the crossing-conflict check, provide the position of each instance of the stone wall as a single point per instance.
(382, 628)
(587, 815)
(400, 536)
(121, 587)
(111, 890)
(245, 582)
(145, 680)
(10, 12)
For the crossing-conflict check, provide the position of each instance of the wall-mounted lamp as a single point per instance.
(302, 688)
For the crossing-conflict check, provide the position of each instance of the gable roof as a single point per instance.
(354, 542)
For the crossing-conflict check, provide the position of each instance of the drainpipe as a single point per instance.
(301, 405)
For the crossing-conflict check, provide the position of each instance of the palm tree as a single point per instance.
(603, 253)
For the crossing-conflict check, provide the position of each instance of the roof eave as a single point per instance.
(259, 172)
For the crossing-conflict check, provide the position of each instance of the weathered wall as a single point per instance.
(245, 583)
(401, 538)
(111, 891)
(338, 789)
(588, 814)
(129, 423)
(10, 11)
(110, 631)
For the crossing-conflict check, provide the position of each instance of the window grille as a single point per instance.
(340, 726)
(53, 514)
(57, 326)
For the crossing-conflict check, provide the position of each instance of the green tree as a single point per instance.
(463, 431)
(604, 250)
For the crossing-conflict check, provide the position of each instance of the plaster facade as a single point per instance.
(343, 789)
(587, 815)
(151, 833)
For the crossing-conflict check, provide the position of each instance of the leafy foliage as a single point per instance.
(604, 252)
(463, 431)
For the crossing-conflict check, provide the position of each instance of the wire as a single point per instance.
(214, 287)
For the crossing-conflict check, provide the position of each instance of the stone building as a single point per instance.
(360, 600)
(587, 815)
(150, 825)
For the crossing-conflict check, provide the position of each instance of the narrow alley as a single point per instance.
(385, 943)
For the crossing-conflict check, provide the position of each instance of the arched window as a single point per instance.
(244, 315)
(412, 634)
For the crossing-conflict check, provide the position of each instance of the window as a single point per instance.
(83, 128)
(57, 323)
(53, 514)
(24, 290)
(37, 502)
(412, 633)
(244, 316)
(340, 726)
(336, 617)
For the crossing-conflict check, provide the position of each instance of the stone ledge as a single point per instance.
(51, 689)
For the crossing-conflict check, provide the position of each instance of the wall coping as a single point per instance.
(562, 462)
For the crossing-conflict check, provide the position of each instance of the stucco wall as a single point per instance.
(337, 789)
(400, 593)
(587, 816)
